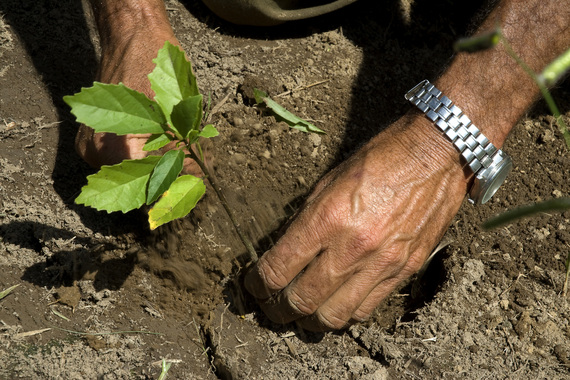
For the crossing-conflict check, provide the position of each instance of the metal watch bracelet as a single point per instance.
(479, 153)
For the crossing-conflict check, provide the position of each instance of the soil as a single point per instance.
(489, 305)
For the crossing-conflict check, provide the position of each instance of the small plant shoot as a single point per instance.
(281, 114)
(174, 115)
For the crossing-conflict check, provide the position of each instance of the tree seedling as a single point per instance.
(175, 117)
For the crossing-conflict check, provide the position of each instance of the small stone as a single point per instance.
(561, 353)
(305, 150)
(238, 122)
(546, 136)
(239, 159)
(522, 327)
(557, 194)
(315, 139)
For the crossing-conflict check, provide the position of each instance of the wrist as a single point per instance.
(489, 164)
(427, 147)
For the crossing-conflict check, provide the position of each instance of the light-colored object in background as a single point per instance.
(270, 12)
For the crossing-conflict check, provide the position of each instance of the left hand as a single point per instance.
(368, 225)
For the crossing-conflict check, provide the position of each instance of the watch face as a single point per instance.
(488, 182)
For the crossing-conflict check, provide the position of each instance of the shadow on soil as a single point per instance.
(56, 36)
(64, 266)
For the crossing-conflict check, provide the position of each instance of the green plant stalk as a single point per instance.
(558, 204)
(543, 89)
(164, 370)
(565, 287)
(244, 239)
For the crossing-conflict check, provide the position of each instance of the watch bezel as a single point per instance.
(487, 181)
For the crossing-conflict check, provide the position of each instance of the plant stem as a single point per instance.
(244, 239)
(543, 89)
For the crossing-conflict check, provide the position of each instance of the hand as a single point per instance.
(368, 225)
(127, 53)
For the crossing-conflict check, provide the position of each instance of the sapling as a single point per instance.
(175, 117)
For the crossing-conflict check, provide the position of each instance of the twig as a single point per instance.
(302, 88)
(512, 284)
(567, 265)
(244, 239)
(49, 125)
(105, 333)
(217, 107)
(30, 333)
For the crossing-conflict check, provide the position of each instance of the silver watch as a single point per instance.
(489, 164)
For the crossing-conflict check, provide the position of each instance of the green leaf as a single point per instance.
(187, 115)
(177, 201)
(556, 69)
(172, 79)
(283, 115)
(117, 109)
(120, 187)
(164, 173)
(155, 142)
(559, 204)
(208, 131)
(5, 292)
(477, 43)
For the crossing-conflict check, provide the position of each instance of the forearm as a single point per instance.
(119, 20)
(489, 86)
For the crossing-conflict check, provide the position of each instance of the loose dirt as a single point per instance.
(489, 306)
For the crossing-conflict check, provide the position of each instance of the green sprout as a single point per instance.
(175, 114)
(165, 367)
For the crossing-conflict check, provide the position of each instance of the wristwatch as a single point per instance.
(489, 164)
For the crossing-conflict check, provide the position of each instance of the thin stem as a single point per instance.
(244, 239)
(543, 89)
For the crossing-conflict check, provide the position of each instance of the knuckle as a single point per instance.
(363, 240)
(302, 305)
(395, 258)
(330, 214)
(361, 315)
(332, 320)
(414, 264)
(273, 272)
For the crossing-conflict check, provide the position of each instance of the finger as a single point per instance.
(338, 311)
(303, 296)
(374, 299)
(278, 266)
(364, 290)
(306, 237)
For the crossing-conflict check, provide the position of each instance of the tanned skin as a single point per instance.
(371, 222)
